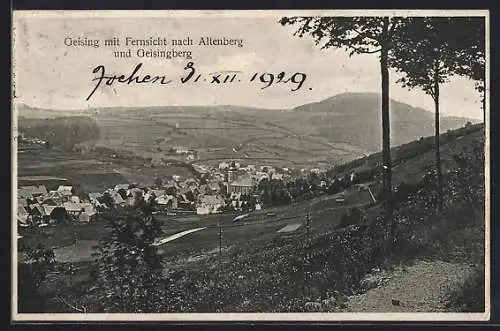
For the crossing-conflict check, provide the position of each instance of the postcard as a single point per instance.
(326, 165)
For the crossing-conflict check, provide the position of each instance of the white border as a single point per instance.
(290, 317)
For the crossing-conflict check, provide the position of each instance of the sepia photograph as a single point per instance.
(250, 165)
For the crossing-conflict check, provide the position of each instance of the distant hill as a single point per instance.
(334, 130)
(356, 117)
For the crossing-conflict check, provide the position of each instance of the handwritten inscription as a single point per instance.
(264, 80)
(229, 76)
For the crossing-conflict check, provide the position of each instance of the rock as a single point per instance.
(312, 306)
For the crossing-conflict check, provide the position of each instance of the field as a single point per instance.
(218, 136)
(90, 172)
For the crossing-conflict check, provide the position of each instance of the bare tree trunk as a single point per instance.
(437, 143)
(484, 103)
(386, 133)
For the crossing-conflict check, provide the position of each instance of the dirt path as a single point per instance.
(419, 288)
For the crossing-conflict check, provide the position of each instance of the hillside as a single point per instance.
(64, 132)
(332, 131)
(263, 269)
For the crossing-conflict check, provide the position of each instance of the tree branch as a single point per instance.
(364, 34)
(361, 51)
(431, 93)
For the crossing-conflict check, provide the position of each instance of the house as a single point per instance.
(223, 165)
(22, 215)
(183, 190)
(130, 201)
(167, 201)
(119, 187)
(209, 204)
(73, 209)
(88, 208)
(242, 185)
(158, 193)
(24, 193)
(235, 196)
(133, 192)
(117, 198)
(148, 195)
(39, 199)
(94, 197)
(75, 199)
(65, 191)
(37, 210)
(22, 202)
(35, 191)
(52, 201)
(181, 149)
(171, 189)
(214, 187)
(172, 183)
(54, 213)
(48, 209)
(276, 176)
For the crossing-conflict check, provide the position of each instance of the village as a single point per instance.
(226, 187)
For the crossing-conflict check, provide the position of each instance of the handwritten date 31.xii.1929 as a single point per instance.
(220, 78)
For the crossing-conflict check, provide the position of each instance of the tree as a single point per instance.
(158, 182)
(428, 51)
(107, 199)
(123, 193)
(471, 63)
(360, 35)
(128, 270)
(32, 272)
(190, 196)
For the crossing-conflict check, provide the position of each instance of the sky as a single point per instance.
(50, 74)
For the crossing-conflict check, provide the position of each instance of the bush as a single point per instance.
(128, 270)
(39, 261)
